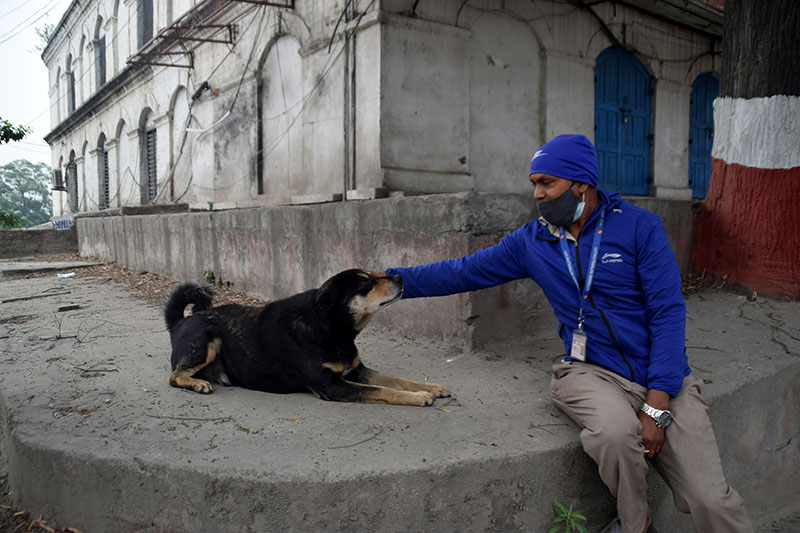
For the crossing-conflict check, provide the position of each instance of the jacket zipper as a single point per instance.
(602, 314)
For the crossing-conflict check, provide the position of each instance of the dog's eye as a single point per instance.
(366, 286)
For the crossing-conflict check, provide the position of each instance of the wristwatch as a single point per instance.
(663, 417)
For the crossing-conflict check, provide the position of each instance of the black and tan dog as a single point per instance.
(302, 343)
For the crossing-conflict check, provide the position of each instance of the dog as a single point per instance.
(302, 343)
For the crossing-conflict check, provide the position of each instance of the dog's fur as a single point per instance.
(301, 343)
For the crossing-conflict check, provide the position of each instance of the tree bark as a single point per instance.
(748, 228)
(760, 40)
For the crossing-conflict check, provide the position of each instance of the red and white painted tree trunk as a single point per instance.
(749, 225)
(748, 228)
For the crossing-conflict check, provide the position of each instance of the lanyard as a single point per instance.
(592, 264)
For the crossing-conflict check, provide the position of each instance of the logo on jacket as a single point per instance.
(611, 258)
(537, 154)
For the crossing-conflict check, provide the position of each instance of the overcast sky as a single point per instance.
(23, 90)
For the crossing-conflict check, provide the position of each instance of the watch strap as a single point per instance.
(653, 413)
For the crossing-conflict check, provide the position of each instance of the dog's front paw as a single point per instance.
(439, 391)
(202, 386)
(423, 397)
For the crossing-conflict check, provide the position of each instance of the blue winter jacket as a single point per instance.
(635, 319)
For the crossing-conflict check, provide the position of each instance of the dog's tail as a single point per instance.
(183, 295)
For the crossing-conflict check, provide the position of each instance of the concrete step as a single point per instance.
(94, 438)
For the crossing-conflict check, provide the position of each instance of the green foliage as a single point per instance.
(11, 220)
(9, 132)
(567, 520)
(24, 189)
(44, 32)
(210, 277)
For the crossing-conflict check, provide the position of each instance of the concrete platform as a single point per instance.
(20, 266)
(94, 438)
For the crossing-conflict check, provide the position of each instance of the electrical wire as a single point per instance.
(24, 25)
(264, 152)
(171, 175)
(13, 9)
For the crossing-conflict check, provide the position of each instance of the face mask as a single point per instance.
(562, 210)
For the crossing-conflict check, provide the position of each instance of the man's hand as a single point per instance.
(652, 435)
(377, 274)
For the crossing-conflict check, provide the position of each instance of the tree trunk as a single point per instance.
(748, 228)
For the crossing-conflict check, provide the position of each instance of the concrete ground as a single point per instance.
(93, 436)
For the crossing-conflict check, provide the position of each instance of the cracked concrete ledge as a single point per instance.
(94, 438)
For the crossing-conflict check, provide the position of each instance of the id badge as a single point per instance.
(578, 351)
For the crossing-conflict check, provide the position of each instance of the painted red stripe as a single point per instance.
(749, 228)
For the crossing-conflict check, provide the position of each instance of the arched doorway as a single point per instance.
(622, 91)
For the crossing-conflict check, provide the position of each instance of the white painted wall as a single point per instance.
(505, 102)
(282, 118)
(425, 105)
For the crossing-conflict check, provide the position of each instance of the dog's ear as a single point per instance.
(327, 296)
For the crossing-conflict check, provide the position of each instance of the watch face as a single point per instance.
(665, 419)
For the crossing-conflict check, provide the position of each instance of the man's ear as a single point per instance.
(327, 296)
(582, 187)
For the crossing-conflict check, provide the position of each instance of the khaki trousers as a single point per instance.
(605, 404)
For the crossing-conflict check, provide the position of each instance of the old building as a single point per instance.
(233, 103)
(226, 104)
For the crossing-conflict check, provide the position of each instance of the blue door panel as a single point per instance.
(701, 132)
(622, 122)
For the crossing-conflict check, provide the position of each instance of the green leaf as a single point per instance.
(554, 529)
(578, 515)
(560, 508)
(580, 528)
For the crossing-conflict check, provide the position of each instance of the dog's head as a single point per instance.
(359, 294)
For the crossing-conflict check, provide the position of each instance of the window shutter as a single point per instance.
(101, 61)
(104, 204)
(71, 91)
(72, 185)
(150, 165)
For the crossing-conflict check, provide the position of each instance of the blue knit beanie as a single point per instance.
(571, 157)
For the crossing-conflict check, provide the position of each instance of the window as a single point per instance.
(100, 52)
(72, 183)
(101, 60)
(145, 15)
(102, 173)
(149, 167)
(104, 196)
(70, 86)
(58, 180)
(57, 106)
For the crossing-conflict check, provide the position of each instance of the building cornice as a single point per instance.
(49, 48)
(90, 108)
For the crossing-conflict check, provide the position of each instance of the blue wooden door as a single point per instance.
(701, 132)
(622, 122)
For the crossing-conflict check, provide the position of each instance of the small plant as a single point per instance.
(210, 205)
(210, 277)
(567, 519)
